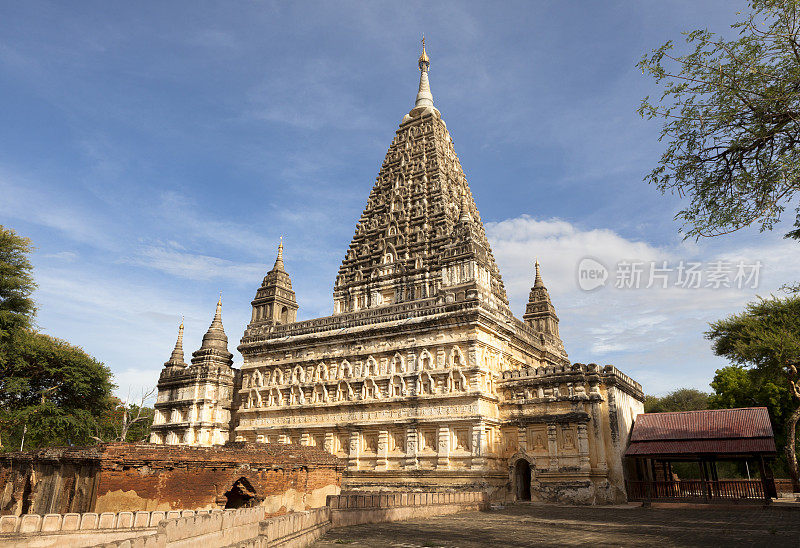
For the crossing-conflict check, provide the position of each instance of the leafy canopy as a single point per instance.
(765, 339)
(731, 112)
(766, 335)
(682, 399)
(52, 392)
(16, 285)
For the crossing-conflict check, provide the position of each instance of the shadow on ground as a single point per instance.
(545, 525)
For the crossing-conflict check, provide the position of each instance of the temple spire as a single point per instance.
(214, 349)
(424, 96)
(177, 353)
(215, 336)
(540, 313)
(538, 281)
(279, 258)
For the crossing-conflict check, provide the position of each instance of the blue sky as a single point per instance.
(155, 151)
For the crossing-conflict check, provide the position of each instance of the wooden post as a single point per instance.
(704, 476)
(714, 478)
(767, 480)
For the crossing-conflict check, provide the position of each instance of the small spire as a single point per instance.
(279, 258)
(538, 282)
(424, 96)
(177, 353)
(215, 335)
(465, 214)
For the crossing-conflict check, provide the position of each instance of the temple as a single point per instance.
(422, 378)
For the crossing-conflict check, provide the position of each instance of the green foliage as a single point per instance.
(16, 285)
(731, 111)
(735, 386)
(764, 339)
(52, 392)
(682, 399)
(766, 335)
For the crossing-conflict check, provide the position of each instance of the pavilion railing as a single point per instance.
(695, 490)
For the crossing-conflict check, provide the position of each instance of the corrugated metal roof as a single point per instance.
(750, 422)
(699, 447)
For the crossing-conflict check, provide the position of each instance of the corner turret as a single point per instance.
(540, 313)
(275, 302)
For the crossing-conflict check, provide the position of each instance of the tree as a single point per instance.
(682, 399)
(126, 421)
(51, 393)
(766, 338)
(731, 111)
(16, 286)
(736, 386)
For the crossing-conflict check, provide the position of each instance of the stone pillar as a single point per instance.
(411, 447)
(328, 443)
(381, 463)
(443, 456)
(305, 438)
(355, 449)
(552, 445)
(583, 447)
(522, 439)
(479, 444)
(599, 438)
(283, 438)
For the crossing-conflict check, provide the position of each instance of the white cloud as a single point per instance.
(25, 201)
(654, 334)
(195, 266)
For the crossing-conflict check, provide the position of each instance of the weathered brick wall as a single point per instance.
(128, 477)
(48, 481)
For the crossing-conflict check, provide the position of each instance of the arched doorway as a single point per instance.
(522, 479)
(241, 495)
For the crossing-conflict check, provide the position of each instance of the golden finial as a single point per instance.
(423, 59)
(219, 302)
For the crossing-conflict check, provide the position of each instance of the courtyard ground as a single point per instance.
(545, 525)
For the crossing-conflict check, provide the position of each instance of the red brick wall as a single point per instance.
(131, 477)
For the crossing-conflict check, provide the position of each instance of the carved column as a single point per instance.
(411, 447)
(381, 463)
(355, 449)
(599, 438)
(479, 444)
(552, 445)
(583, 447)
(328, 444)
(305, 438)
(522, 439)
(443, 456)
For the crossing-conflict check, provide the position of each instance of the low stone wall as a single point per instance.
(218, 528)
(235, 528)
(352, 509)
(243, 528)
(74, 530)
(292, 530)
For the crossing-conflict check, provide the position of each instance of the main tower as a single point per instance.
(422, 378)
